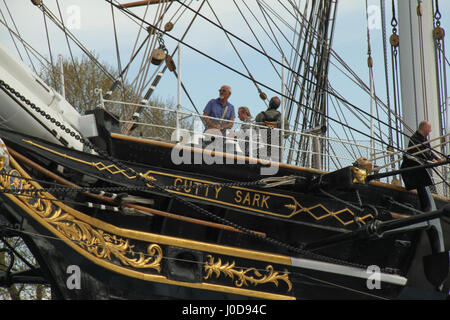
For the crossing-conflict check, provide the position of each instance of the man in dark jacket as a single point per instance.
(419, 140)
(419, 152)
(271, 118)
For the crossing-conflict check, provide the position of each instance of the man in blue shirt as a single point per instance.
(221, 109)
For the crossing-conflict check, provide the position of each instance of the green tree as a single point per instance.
(82, 77)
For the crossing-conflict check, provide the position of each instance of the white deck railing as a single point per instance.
(340, 153)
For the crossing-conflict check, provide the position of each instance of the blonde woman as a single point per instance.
(247, 130)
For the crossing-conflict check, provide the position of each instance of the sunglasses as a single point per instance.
(223, 90)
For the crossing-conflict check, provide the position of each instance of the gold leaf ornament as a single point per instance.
(95, 241)
(245, 277)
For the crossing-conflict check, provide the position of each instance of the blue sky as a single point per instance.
(202, 77)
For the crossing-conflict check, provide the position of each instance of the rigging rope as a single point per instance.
(133, 52)
(47, 13)
(388, 98)
(5, 23)
(422, 59)
(394, 41)
(255, 36)
(145, 63)
(273, 59)
(334, 54)
(20, 37)
(71, 56)
(116, 42)
(262, 95)
(439, 35)
(161, 73)
(372, 89)
(386, 73)
(185, 9)
(306, 106)
(52, 65)
(262, 84)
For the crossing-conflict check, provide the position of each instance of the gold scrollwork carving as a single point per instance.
(148, 177)
(2, 162)
(14, 180)
(359, 175)
(113, 169)
(243, 277)
(95, 241)
(107, 246)
(325, 213)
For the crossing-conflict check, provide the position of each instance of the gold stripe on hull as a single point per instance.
(47, 220)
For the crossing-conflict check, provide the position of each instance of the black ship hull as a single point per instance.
(196, 231)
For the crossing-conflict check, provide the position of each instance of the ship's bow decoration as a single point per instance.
(62, 222)
(4, 156)
(245, 277)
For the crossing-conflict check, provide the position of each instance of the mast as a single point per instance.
(316, 30)
(418, 66)
(419, 84)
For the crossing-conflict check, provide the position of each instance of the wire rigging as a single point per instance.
(264, 85)
(20, 37)
(334, 96)
(77, 77)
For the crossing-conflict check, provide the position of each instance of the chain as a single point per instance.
(162, 44)
(191, 205)
(394, 22)
(437, 14)
(125, 189)
(394, 41)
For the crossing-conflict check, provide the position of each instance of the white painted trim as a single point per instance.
(346, 270)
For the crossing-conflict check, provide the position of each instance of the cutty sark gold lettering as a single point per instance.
(234, 195)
